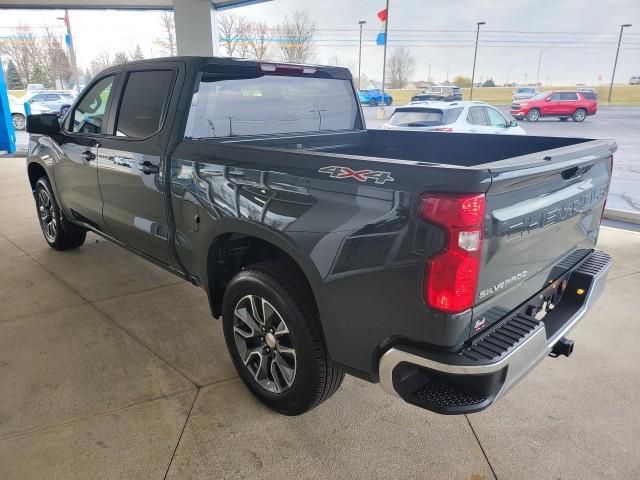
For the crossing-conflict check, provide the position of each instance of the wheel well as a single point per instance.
(233, 252)
(35, 171)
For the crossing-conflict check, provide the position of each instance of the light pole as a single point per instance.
(361, 23)
(72, 52)
(540, 62)
(475, 54)
(615, 62)
(380, 114)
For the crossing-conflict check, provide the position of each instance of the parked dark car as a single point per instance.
(444, 266)
(442, 93)
(523, 93)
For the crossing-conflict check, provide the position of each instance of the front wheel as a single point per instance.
(579, 115)
(272, 332)
(18, 121)
(58, 233)
(533, 115)
(373, 102)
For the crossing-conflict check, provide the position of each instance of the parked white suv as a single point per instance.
(456, 117)
(635, 80)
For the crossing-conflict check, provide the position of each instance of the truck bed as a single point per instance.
(455, 149)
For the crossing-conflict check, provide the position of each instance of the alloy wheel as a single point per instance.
(47, 213)
(264, 343)
(18, 122)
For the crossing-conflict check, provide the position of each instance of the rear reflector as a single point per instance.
(451, 276)
(292, 69)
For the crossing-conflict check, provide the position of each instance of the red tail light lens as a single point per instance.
(451, 276)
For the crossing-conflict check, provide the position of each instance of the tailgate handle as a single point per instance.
(574, 172)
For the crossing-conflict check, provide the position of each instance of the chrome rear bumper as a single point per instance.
(516, 362)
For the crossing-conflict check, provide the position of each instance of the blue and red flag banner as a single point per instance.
(381, 39)
(382, 15)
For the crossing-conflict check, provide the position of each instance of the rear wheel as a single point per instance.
(533, 115)
(388, 101)
(579, 115)
(58, 233)
(272, 333)
(18, 121)
(64, 110)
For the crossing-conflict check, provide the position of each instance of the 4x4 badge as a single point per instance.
(360, 175)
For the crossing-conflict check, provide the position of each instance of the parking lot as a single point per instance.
(113, 368)
(619, 123)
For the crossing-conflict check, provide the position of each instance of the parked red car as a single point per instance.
(564, 105)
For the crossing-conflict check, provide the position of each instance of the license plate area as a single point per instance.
(547, 300)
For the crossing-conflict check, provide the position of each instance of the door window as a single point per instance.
(555, 97)
(145, 97)
(88, 117)
(476, 116)
(568, 96)
(495, 118)
(51, 97)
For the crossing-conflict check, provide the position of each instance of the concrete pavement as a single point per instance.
(113, 368)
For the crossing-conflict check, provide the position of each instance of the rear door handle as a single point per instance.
(148, 168)
(88, 156)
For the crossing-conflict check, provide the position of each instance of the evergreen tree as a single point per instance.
(120, 58)
(14, 82)
(137, 54)
(87, 76)
(38, 75)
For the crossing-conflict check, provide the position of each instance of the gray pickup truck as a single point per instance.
(443, 266)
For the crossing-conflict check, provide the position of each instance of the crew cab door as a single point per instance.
(76, 173)
(568, 103)
(130, 160)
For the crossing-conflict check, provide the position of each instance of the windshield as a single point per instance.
(271, 104)
(424, 117)
(540, 96)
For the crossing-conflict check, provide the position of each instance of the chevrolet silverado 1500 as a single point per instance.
(443, 266)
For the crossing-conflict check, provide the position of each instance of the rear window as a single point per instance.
(424, 117)
(588, 95)
(270, 104)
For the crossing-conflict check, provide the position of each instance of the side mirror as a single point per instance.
(548, 99)
(513, 123)
(43, 124)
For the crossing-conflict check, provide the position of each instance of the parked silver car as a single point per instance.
(54, 101)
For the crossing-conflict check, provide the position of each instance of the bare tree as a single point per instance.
(296, 38)
(20, 47)
(167, 45)
(259, 40)
(400, 67)
(234, 34)
(52, 58)
(100, 62)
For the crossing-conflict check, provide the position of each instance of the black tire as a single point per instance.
(579, 115)
(373, 102)
(533, 115)
(59, 233)
(388, 101)
(315, 378)
(564, 119)
(64, 110)
(19, 121)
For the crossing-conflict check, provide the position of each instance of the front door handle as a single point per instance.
(88, 156)
(148, 168)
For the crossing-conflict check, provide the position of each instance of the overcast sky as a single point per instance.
(580, 36)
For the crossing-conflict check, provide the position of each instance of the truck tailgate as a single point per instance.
(542, 217)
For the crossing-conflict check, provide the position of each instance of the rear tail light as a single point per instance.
(451, 276)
